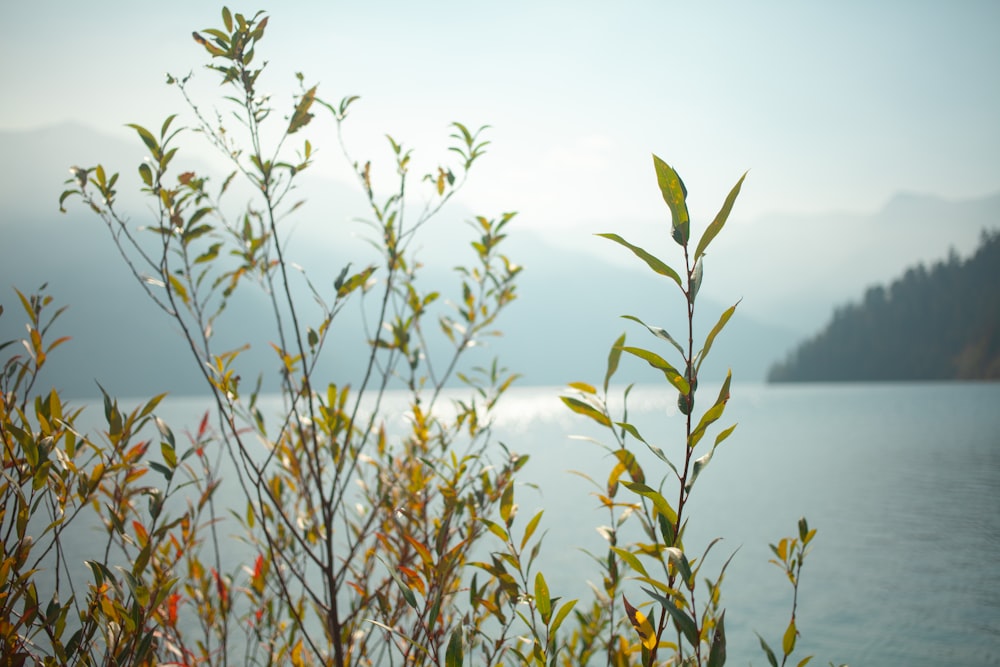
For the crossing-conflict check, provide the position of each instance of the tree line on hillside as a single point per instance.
(930, 324)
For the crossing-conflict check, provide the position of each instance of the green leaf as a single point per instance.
(560, 616)
(631, 559)
(658, 362)
(723, 319)
(717, 653)
(767, 651)
(659, 502)
(720, 220)
(507, 504)
(804, 532)
(146, 173)
(301, 116)
(684, 623)
(629, 463)
(454, 656)
(354, 282)
(658, 453)
(658, 332)
(680, 562)
(529, 530)
(169, 455)
(675, 195)
(614, 356)
(408, 595)
(147, 138)
(712, 414)
(496, 529)
(632, 430)
(699, 270)
(580, 407)
(654, 263)
(542, 600)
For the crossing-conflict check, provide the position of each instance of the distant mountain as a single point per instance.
(939, 323)
(793, 269)
(571, 294)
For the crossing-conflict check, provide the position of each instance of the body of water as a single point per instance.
(902, 482)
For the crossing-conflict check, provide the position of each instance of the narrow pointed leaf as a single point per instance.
(723, 319)
(542, 600)
(631, 559)
(684, 623)
(720, 219)
(653, 262)
(717, 653)
(658, 362)
(771, 658)
(699, 269)
(580, 407)
(712, 414)
(659, 502)
(560, 616)
(454, 657)
(614, 356)
(659, 332)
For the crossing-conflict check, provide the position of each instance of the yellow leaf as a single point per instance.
(642, 625)
(788, 641)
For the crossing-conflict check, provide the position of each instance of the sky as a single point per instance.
(830, 105)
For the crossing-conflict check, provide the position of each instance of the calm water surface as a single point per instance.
(902, 482)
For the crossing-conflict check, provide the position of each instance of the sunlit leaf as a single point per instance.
(723, 319)
(712, 414)
(675, 195)
(788, 641)
(658, 362)
(580, 407)
(653, 262)
(659, 332)
(641, 624)
(720, 219)
(631, 559)
(614, 356)
(699, 267)
(560, 616)
(529, 530)
(542, 600)
(659, 502)
(507, 504)
(148, 139)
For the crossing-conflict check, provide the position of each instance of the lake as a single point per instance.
(902, 482)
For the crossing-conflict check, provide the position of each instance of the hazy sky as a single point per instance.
(831, 105)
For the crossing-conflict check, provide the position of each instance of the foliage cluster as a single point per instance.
(941, 323)
(362, 543)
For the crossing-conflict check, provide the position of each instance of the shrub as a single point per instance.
(365, 544)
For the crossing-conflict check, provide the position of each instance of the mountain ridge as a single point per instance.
(559, 329)
(940, 322)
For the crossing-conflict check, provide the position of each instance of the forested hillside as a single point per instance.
(930, 324)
